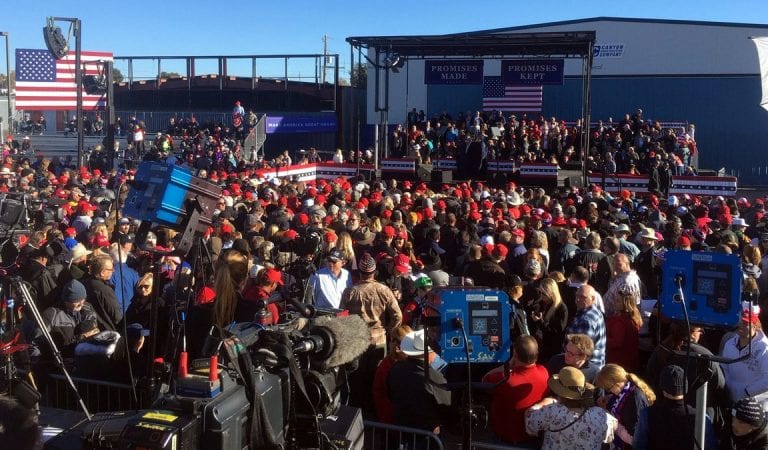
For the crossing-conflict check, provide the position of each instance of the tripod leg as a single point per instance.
(23, 291)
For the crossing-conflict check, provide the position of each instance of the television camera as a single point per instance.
(256, 387)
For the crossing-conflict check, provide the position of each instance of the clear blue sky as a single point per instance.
(194, 27)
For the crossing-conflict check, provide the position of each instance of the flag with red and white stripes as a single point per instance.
(514, 98)
(46, 83)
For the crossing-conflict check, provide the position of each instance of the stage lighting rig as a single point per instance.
(57, 44)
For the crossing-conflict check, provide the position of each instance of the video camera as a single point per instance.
(275, 387)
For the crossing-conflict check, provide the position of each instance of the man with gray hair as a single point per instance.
(589, 320)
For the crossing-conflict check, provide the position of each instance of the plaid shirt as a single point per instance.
(590, 321)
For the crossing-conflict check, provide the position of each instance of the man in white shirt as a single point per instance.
(327, 284)
(749, 377)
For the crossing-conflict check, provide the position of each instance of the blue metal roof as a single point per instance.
(621, 19)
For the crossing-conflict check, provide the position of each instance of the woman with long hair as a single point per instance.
(622, 329)
(548, 319)
(346, 247)
(231, 276)
(539, 242)
(627, 397)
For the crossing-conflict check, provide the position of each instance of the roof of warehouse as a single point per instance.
(623, 19)
(567, 43)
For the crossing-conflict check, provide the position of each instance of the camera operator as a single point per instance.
(327, 284)
(255, 306)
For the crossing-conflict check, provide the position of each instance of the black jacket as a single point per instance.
(104, 301)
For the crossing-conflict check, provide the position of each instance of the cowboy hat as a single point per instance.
(570, 383)
(648, 233)
(412, 343)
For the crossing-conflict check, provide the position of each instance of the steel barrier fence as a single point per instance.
(99, 396)
(382, 436)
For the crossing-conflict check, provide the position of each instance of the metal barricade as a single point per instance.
(99, 396)
(382, 436)
(492, 446)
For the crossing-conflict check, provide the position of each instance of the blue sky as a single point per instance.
(142, 28)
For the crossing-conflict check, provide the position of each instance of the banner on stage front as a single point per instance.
(301, 124)
(532, 71)
(453, 71)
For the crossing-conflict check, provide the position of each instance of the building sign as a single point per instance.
(453, 72)
(608, 51)
(301, 124)
(532, 71)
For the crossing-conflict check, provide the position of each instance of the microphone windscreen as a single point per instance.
(351, 335)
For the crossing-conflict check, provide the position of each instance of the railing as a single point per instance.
(382, 436)
(159, 120)
(253, 144)
(99, 396)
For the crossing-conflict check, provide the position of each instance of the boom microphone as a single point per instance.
(336, 341)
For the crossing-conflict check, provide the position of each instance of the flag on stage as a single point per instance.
(46, 83)
(762, 55)
(517, 98)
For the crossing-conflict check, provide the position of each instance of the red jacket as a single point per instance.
(622, 341)
(509, 401)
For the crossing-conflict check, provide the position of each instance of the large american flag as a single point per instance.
(519, 98)
(45, 83)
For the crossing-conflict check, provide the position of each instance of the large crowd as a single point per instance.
(593, 362)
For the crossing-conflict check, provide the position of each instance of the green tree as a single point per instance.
(4, 81)
(359, 76)
(167, 75)
(117, 76)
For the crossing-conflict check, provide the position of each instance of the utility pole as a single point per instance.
(325, 57)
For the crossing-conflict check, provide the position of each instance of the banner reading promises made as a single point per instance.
(453, 71)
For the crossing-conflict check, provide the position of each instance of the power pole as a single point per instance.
(325, 57)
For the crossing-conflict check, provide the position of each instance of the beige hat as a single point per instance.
(570, 383)
(648, 233)
(78, 252)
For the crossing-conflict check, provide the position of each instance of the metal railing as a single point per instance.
(99, 396)
(159, 120)
(382, 436)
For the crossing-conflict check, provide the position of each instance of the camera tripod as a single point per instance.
(21, 291)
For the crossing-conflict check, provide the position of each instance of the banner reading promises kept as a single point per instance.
(532, 71)
(453, 72)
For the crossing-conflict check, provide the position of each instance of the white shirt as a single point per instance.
(748, 377)
(588, 432)
(326, 288)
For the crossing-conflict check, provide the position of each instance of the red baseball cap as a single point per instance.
(275, 276)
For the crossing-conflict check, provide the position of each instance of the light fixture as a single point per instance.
(57, 44)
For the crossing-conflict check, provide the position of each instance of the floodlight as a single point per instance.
(55, 41)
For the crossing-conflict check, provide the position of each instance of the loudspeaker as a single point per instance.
(424, 171)
(574, 182)
(442, 176)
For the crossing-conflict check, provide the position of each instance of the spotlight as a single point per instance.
(394, 62)
(55, 41)
(95, 84)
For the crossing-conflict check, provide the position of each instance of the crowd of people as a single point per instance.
(587, 368)
(627, 146)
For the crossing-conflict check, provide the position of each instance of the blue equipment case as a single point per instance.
(485, 315)
(159, 193)
(711, 285)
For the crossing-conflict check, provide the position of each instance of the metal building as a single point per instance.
(705, 73)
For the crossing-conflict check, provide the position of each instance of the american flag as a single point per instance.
(521, 98)
(45, 83)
